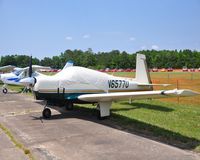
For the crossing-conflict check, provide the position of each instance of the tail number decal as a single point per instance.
(118, 84)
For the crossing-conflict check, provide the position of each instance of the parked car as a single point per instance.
(113, 70)
(185, 69)
(120, 70)
(155, 69)
(170, 69)
(128, 70)
(163, 70)
(108, 70)
(102, 70)
(192, 70)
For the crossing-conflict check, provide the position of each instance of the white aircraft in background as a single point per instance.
(82, 85)
(17, 74)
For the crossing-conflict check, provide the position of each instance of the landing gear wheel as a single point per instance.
(46, 113)
(5, 90)
(69, 106)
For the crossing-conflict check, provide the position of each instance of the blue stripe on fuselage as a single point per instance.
(14, 79)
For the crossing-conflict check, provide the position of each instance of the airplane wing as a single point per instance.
(106, 97)
(37, 67)
(7, 68)
(151, 84)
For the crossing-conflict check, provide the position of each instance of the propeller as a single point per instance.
(30, 71)
(29, 81)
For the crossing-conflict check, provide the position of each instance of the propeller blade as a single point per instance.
(30, 67)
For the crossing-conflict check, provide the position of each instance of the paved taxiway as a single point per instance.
(73, 136)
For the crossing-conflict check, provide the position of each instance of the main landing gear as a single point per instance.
(103, 109)
(69, 106)
(4, 89)
(46, 113)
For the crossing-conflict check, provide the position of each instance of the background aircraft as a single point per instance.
(82, 85)
(17, 74)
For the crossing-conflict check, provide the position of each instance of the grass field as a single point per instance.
(180, 80)
(173, 121)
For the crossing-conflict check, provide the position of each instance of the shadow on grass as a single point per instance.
(136, 105)
(130, 125)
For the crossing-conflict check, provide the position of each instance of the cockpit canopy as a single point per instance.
(17, 72)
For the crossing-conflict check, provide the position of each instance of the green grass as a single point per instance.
(166, 75)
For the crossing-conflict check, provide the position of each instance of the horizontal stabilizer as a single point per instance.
(104, 97)
(37, 67)
(144, 84)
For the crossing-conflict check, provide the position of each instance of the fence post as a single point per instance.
(168, 77)
(177, 86)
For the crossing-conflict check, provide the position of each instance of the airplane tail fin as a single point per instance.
(68, 64)
(142, 73)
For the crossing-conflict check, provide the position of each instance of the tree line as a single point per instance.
(112, 59)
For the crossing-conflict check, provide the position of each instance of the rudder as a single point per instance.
(142, 73)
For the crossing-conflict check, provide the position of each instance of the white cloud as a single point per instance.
(155, 47)
(68, 38)
(86, 36)
(132, 38)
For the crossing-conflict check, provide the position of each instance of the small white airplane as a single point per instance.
(17, 74)
(82, 85)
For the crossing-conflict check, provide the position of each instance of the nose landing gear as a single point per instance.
(46, 113)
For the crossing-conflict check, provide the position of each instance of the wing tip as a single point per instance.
(187, 92)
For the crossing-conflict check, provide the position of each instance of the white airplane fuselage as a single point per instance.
(10, 78)
(74, 81)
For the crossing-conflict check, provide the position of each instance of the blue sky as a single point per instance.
(49, 27)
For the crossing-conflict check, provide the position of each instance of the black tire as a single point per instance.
(46, 113)
(69, 106)
(5, 90)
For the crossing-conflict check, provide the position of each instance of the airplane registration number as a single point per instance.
(118, 84)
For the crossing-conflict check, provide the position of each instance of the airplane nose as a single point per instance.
(28, 81)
